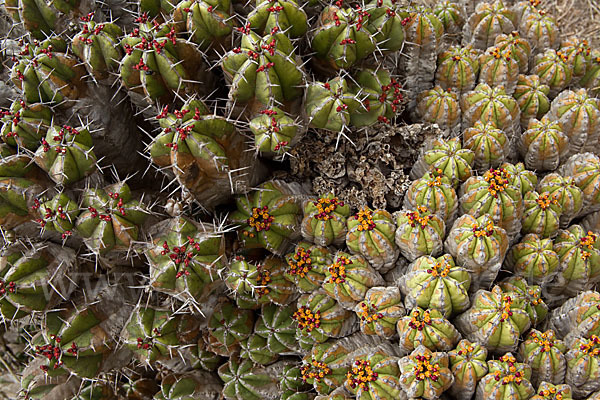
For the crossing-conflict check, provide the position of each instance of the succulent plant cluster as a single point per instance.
(155, 242)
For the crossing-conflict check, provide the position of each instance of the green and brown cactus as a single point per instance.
(373, 374)
(583, 372)
(329, 105)
(25, 125)
(457, 69)
(468, 365)
(228, 326)
(541, 214)
(506, 379)
(209, 22)
(307, 266)
(489, 21)
(568, 194)
(325, 220)
(447, 155)
(425, 374)
(534, 259)
(490, 145)
(532, 98)
(428, 328)
(419, 233)
(435, 191)
(545, 353)
(379, 311)
(543, 145)
(440, 106)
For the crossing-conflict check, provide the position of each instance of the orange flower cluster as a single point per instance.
(365, 219)
(415, 217)
(562, 56)
(418, 321)
(534, 298)
(513, 375)
(592, 346)
(437, 181)
(480, 231)
(441, 269)
(587, 242)
(360, 375)
(424, 369)
(544, 200)
(465, 350)
(369, 313)
(264, 277)
(546, 342)
(498, 180)
(300, 264)
(315, 370)
(551, 393)
(495, 52)
(325, 207)
(505, 307)
(338, 270)
(260, 220)
(307, 320)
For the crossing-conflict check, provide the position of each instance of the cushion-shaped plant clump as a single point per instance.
(534, 259)
(435, 191)
(506, 379)
(307, 266)
(269, 217)
(425, 374)
(371, 234)
(380, 310)
(548, 391)
(324, 221)
(545, 353)
(583, 371)
(228, 325)
(447, 155)
(419, 233)
(428, 328)
(373, 374)
(436, 283)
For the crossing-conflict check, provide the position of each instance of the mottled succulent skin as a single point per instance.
(434, 191)
(156, 8)
(541, 30)
(553, 70)
(379, 312)
(544, 353)
(24, 125)
(282, 15)
(324, 221)
(490, 145)
(452, 15)
(448, 156)
(591, 79)
(499, 68)
(428, 328)
(386, 24)
(532, 98)
(371, 234)
(541, 214)
(98, 46)
(263, 70)
(569, 196)
(228, 325)
(579, 55)
(112, 218)
(190, 385)
(278, 328)
(333, 320)
(468, 365)
(66, 154)
(419, 233)
(373, 374)
(209, 22)
(584, 170)
(494, 194)
(154, 333)
(44, 73)
(339, 394)
(325, 366)
(158, 65)
(416, 383)
(201, 358)
(381, 96)
(244, 380)
(543, 145)
(489, 320)
(579, 116)
(579, 261)
(506, 379)
(57, 214)
(457, 68)
(534, 259)
(185, 260)
(488, 22)
(439, 106)
(253, 285)
(329, 105)
(583, 369)
(38, 18)
(520, 177)
(307, 266)
(341, 38)
(577, 317)
(269, 218)
(254, 348)
(491, 105)
(548, 391)
(274, 132)
(534, 304)
(423, 29)
(438, 284)
(348, 278)
(518, 47)
(27, 276)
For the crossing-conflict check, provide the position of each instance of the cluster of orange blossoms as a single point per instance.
(513, 376)
(337, 270)
(315, 370)
(360, 375)
(418, 321)
(365, 219)
(505, 307)
(480, 231)
(465, 349)
(546, 342)
(260, 220)
(441, 269)
(587, 242)
(552, 393)
(369, 314)
(534, 298)
(544, 200)
(264, 277)
(497, 54)
(424, 369)
(325, 207)
(300, 263)
(497, 179)
(438, 178)
(415, 217)
(307, 320)
(592, 346)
